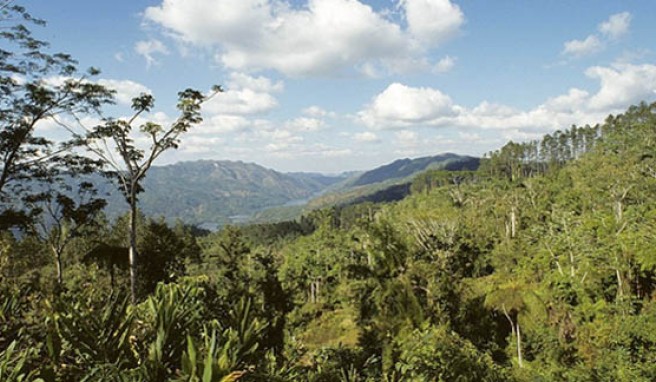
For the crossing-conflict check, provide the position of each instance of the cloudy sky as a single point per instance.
(334, 85)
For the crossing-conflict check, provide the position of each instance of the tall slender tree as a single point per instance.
(133, 162)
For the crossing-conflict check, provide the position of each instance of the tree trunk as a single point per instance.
(519, 346)
(512, 323)
(620, 284)
(60, 270)
(619, 209)
(133, 249)
(513, 222)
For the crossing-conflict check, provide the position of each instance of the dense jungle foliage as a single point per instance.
(538, 266)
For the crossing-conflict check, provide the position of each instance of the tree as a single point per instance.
(134, 162)
(58, 218)
(512, 299)
(32, 93)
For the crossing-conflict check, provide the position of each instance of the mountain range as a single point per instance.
(213, 193)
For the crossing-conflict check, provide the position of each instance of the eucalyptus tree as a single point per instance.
(129, 168)
(37, 87)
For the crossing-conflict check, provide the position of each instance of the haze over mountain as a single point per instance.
(210, 194)
(213, 193)
(218, 192)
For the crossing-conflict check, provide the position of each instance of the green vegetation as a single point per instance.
(537, 266)
(218, 192)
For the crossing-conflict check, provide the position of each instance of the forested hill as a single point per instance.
(404, 168)
(390, 182)
(218, 192)
(214, 193)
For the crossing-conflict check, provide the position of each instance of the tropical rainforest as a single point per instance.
(537, 266)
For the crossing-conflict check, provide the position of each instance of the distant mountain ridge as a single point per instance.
(390, 182)
(404, 168)
(218, 192)
(212, 193)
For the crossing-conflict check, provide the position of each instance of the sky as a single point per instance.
(341, 85)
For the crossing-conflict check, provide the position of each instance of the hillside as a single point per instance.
(384, 183)
(218, 192)
(214, 193)
(404, 168)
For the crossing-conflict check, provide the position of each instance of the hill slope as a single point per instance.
(404, 168)
(383, 183)
(218, 192)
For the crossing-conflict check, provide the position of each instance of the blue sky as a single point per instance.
(335, 85)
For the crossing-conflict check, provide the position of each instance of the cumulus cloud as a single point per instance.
(400, 105)
(318, 112)
(622, 85)
(403, 107)
(125, 89)
(616, 26)
(201, 145)
(148, 49)
(305, 124)
(242, 101)
(444, 65)
(316, 38)
(366, 136)
(407, 138)
(222, 124)
(245, 95)
(433, 21)
(590, 45)
(259, 84)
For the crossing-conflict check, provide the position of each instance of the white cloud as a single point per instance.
(278, 141)
(400, 105)
(258, 84)
(616, 26)
(403, 107)
(125, 89)
(305, 124)
(318, 112)
(201, 145)
(433, 21)
(407, 138)
(574, 100)
(245, 95)
(622, 85)
(222, 124)
(243, 102)
(444, 65)
(148, 49)
(317, 37)
(470, 137)
(579, 48)
(366, 136)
